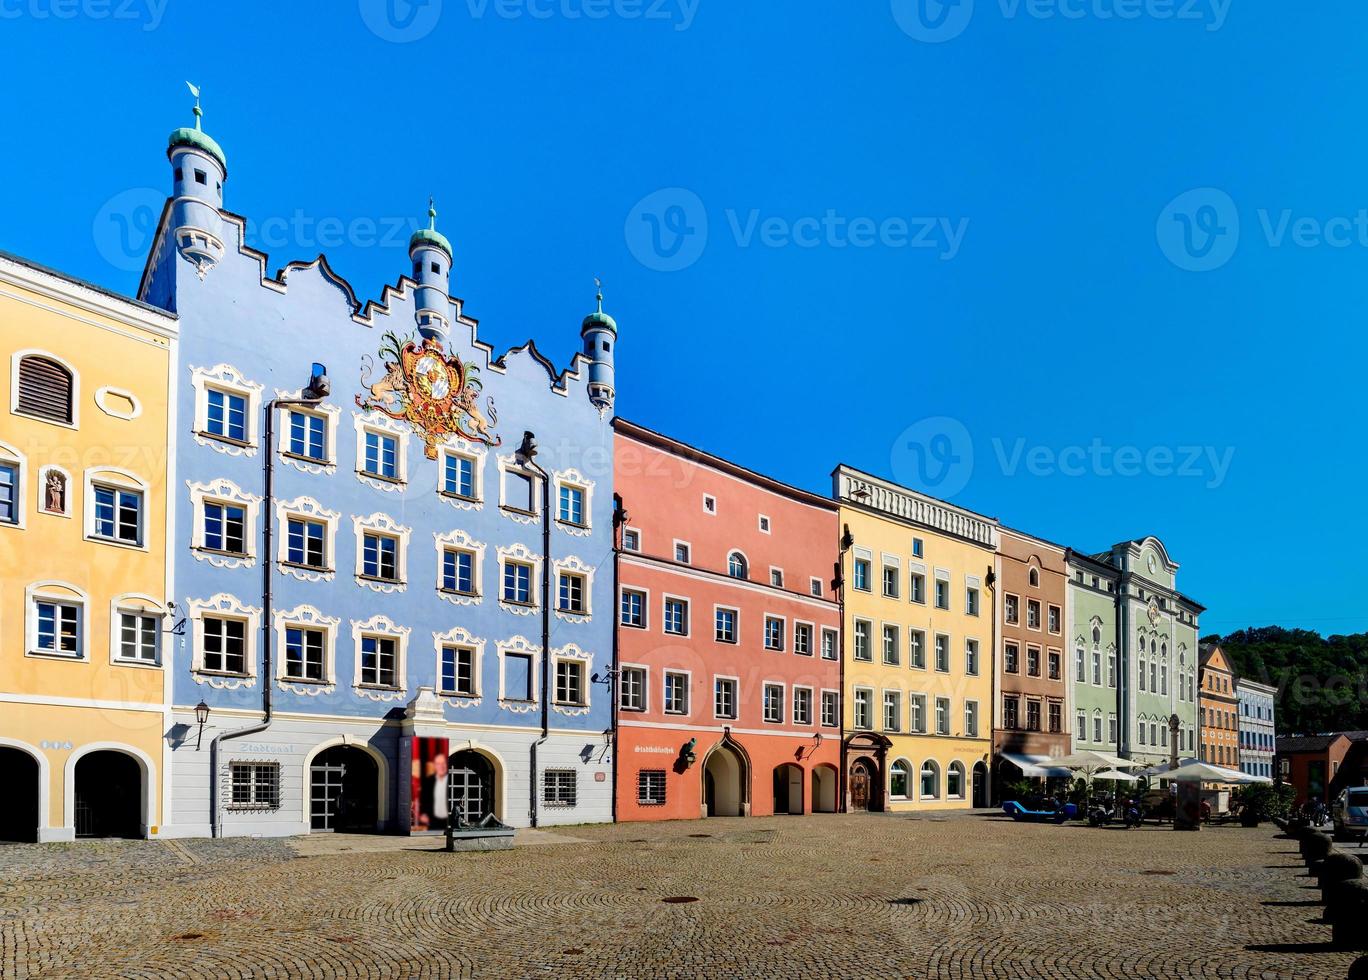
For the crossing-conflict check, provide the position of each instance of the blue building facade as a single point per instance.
(369, 643)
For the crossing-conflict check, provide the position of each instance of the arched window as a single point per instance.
(930, 780)
(1097, 635)
(1035, 577)
(736, 565)
(1142, 670)
(899, 779)
(44, 389)
(954, 782)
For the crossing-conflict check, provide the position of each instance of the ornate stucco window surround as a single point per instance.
(228, 380)
(307, 618)
(310, 510)
(223, 606)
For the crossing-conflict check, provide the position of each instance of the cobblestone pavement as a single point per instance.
(840, 896)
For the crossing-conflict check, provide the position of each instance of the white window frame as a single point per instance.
(736, 697)
(665, 676)
(972, 704)
(645, 594)
(783, 633)
(835, 711)
(918, 698)
(523, 647)
(117, 479)
(572, 653)
(307, 617)
(835, 635)
(382, 524)
(381, 424)
(13, 457)
(710, 505)
(58, 593)
(224, 492)
(736, 621)
(688, 552)
(459, 540)
(575, 479)
(645, 688)
(764, 524)
(17, 358)
(813, 638)
(308, 509)
(815, 587)
(332, 418)
(509, 464)
(520, 554)
(665, 599)
(895, 696)
(855, 708)
(765, 687)
(626, 530)
(134, 604)
(222, 605)
(476, 454)
(573, 565)
(226, 378)
(381, 626)
(812, 705)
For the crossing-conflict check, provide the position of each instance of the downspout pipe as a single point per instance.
(614, 677)
(318, 387)
(527, 454)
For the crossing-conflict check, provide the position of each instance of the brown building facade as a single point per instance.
(1031, 710)
(1218, 710)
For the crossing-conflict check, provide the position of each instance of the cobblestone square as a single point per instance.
(831, 895)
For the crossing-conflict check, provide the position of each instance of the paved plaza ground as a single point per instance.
(840, 895)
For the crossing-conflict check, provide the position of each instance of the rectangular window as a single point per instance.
(862, 574)
(774, 633)
(558, 787)
(1080, 670)
(1055, 666)
(890, 581)
(381, 456)
(650, 787)
(1056, 716)
(458, 571)
(254, 784)
(916, 649)
(1097, 730)
(225, 645)
(458, 671)
(308, 436)
(517, 583)
(118, 514)
(916, 587)
(9, 493)
(971, 657)
(830, 708)
(829, 644)
(1032, 715)
(632, 689)
(517, 677)
(570, 508)
(1081, 726)
(304, 542)
(815, 586)
(1011, 658)
(633, 608)
(890, 645)
(458, 476)
(724, 697)
(519, 492)
(225, 528)
(58, 628)
(227, 415)
(777, 577)
(380, 661)
(681, 552)
(1055, 619)
(802, 639)
(1010, 706)
(725, 626)
(631, 540)
(1010, 609)
(1033, 661)
(892, 706)
(380, 557)
(917, 719)
(917, 547)
(863, 648)
(942, 716)
(139, 638)
(1032, 614)
(971, 602)
(942, 653)
(774, 703)
(676, 693)
(304, 653)
(863, 709)
(570, 682)
(676, 617)
(570, 593)
(971, 727)
(802, 706)
(942, 594)
(1097, 667)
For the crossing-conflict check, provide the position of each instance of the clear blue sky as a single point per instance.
(1071, 299)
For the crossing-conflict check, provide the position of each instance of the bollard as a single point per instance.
(1336, 867)
(1315, 846)
(1346, 899)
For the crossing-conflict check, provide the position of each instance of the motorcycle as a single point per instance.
(1101, 814)
(1133, 815)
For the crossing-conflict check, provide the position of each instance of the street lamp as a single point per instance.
(201, 716)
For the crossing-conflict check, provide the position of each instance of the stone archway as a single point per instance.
(788, 789)
(20, 775)
(979, 796)
(865, 785)
(472, 787)
(824, 789)
(107, 791)
(726, 781)
(344, 790)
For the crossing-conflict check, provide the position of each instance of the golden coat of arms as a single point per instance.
(431, 390)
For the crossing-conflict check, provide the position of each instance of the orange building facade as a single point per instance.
(1218, 710)
(728, 673)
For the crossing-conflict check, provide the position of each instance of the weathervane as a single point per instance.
(598, 286)
(194, 90)
(432, 215)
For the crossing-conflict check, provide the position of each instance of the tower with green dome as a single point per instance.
(599, 333)
(431, 255)
(199, 169)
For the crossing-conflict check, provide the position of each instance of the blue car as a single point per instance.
(1017, 811)
(1350, 813)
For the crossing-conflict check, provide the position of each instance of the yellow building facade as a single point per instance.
(85, 630)
(918, 640)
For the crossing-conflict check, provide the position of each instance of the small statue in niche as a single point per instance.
(55, 493)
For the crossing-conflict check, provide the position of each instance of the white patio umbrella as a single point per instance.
(1201, 772)
(1090, 764)
(1115, 775)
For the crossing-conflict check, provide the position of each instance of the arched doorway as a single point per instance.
(344, 791)
(471, 789)
(863, 785)
(824, 789)
(980, 786)
(726, 780)
(788, 789)
(108, 792)
(19, 815)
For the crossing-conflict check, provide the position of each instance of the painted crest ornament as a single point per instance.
(431, 390)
